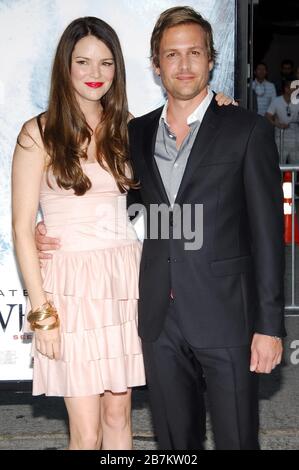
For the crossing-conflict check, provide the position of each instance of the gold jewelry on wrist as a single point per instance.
(43, 312)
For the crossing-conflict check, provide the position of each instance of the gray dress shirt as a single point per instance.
(170, 160)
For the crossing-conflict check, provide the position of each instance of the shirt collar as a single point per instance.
(198, 113)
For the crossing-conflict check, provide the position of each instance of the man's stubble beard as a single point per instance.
(187, 95)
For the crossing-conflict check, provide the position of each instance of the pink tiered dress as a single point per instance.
(93, 281)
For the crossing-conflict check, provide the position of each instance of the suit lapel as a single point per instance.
(149, 141)
(207, 133)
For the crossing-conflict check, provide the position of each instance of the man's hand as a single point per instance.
(266, 353)
(281, 125)
(222, 99)
(44, 243)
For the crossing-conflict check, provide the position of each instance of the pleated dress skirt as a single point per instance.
(92, 279)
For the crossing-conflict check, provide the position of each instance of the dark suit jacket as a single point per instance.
(233, 285)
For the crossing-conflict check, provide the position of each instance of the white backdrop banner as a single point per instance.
(29, 33)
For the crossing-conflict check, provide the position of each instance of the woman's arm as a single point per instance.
(27, 170)
(225, 100)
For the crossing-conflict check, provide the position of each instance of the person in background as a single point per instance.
(265, 91)
(284, 115)
(286, 73)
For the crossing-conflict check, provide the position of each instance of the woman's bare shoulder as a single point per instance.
(31, 132)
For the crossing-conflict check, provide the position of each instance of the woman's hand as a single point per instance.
(48, 342)
(222, 99)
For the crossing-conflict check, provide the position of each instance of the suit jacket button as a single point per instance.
(168, 259)
(171, 219)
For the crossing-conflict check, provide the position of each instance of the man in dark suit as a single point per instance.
(217, 308)
(211, 286)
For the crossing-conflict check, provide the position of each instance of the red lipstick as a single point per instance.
(94, 84)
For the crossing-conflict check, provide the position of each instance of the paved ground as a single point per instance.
(40, 423)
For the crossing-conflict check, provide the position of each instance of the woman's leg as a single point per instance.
(116, 421)
(85, 422)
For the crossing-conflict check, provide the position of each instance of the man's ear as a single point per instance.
(156, 69)
(211, 65)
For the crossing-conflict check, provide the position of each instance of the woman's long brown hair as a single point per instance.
(66, 130)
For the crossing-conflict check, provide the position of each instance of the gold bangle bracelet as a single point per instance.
(55, 324)
(43, 312)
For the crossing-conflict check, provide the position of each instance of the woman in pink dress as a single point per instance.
(73, 161)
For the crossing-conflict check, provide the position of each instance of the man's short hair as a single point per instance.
(178, 16)
(261, 63)
(287, 83)
(287, 62)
